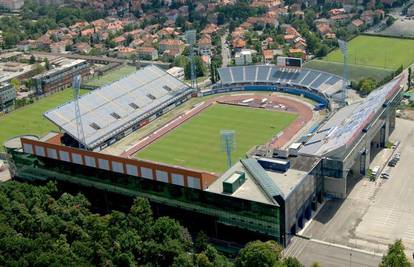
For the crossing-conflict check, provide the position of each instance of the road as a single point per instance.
(310, 251)
(225, 51)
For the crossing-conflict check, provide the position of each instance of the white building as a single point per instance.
(243, 57)
(177, 72)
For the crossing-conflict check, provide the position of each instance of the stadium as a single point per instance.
(151, 135)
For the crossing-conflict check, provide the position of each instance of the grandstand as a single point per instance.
(115, 110)
(318, 85)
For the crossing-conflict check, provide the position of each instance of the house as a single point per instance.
(243, 57)
(119, 40)
(297, 52)
(205, 45)
(23, 46)
(266, 3)
(87, 32)
(289, 38)
(147, 53)
(173, 45)
(325, 30)
(336, 11)
(368, 17)
(341, 19)
(83, 48)
(356, 24)
(268, 56)
(59, 47)
(210, 29)
(238, 44)
(125, 52)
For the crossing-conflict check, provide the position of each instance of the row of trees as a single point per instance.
(41, 227)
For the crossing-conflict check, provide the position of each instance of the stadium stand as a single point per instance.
(320, 84)
(119, 108)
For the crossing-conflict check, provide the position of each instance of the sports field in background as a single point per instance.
(356, 72)
(382, 52)
(29, 119)
(196, 143)
(111, 76)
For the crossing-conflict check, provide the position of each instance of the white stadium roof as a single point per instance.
(323, 82)
(339, 132)
(115, 107)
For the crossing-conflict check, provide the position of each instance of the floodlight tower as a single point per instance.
(343, 46)
(76, 94)
(190, 37)
(228, 143)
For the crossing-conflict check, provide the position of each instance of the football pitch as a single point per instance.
(29, 119)
(196, 143)
(381, 52)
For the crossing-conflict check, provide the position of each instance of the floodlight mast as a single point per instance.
(190, 37)
(343, 46)
(76, 95)
(228, 144)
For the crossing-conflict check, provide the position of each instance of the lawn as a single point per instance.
(356, 72)
(111, 76)
(196, 143)
(382, 52)
(29, 119)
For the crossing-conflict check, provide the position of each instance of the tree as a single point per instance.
(258, 253)
(366, 85)
(200, 243)
(32, 60)
(292, 262)
(47, 64)
(315, 264)
(409, 77)
(395, 256)
(16, 84)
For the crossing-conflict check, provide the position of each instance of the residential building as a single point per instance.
(268, 56)
(83, 48)
(59, 47)
(243, 57)
(356, 24)
(147, 52)
(125, 52)
(60, 77)
(12, 4)
(171, 45)
(7, 97)
(205, 45)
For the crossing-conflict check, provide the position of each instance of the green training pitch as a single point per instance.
(111, 76)
(356, 72)
(196, 143)
(381, 52)
(29, 119)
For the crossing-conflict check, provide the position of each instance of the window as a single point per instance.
(90, 161)
(146, 173)
(117, 167)
(133, 105)
(40, 151)
(76, 158)
(103, 164)
(151, 97)
(177, 179)
(115, 115)
(162, 176)
(95, 126)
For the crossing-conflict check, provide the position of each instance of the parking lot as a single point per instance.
(375, 213)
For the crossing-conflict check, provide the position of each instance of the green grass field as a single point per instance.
(196, 143)
(111, 76)
(382, 52)
(29, 119)
(356, 72)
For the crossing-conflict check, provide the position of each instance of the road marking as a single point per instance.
(345, 247)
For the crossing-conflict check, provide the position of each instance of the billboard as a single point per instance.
(289, 62)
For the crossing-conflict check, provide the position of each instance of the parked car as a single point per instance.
(385, 175)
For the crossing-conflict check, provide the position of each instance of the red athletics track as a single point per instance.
(304, 112)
